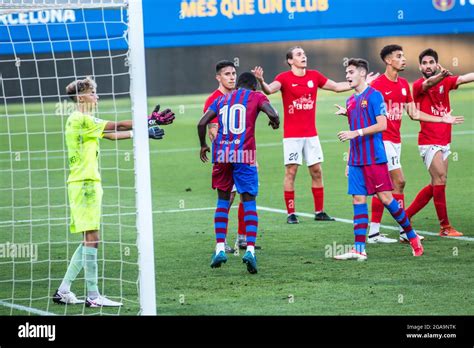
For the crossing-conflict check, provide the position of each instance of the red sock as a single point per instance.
(400, 198)
(241, 228)
(439, 198)
(290, 201)
(377, 210)
(318, 197)
(420, 201)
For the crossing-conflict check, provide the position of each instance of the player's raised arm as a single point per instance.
(467, 78)
(272, 115)
(271, 88)
(201, 127)
(435, 79)
(418, 115)
(338, 87)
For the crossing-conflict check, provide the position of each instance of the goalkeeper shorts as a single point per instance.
(85, 201)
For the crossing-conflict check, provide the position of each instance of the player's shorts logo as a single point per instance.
(310, 84)
(443, 5)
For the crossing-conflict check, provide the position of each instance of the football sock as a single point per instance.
(251, 222)
(377, 210)
(221, 219)
(90, 271)
(400, 216)
(361, 219)
(374, 229)
(290, 201)
(439, 198)
(318, 198)
(420, 201)
(73, 270)
(400, 198)
(241, 227)
(251, 248)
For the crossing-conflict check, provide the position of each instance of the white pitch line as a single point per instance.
(347, 221)
(25, 309)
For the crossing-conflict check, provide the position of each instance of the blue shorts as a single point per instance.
(369, 179)
(244, 176)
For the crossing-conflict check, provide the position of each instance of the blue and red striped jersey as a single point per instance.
(362, 110)
(237, 113)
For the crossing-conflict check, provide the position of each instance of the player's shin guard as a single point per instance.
(221, 219)
(290, 201)
(400, 216)
(361, 220)
(318, 198)
(439, 199)
(90, 271)
(241, 227)
(251, 223)
(75, 266)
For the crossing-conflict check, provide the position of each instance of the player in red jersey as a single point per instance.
(431, 94)
(397, 96)
(299, 88)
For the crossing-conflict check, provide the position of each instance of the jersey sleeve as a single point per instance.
(320, 78)
(377, 104)
(282, 79)
(261, 100)
(214, 107)
(417, 89)
(206, 105)
(451, 82)
(93, 127)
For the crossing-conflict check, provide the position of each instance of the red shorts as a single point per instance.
(369, 179)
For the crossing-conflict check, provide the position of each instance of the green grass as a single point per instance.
(295, 277)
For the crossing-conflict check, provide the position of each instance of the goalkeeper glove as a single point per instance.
(156, 132)
(160, 118)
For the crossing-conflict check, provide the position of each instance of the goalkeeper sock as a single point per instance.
(221, 219)
(73, 270)
(90, 270)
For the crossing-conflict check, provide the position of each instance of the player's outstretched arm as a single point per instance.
(380, 126)
(201, 127)
(340, 110)
(435, 79)
(272, 115)
(271, 88)
(119, 126)
(465, 79)
(418, 115)
(337, 87)
(118, 135)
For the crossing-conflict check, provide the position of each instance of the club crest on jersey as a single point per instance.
(310, 84)
(441, 89)
(363, 104)
(443, 5)
(404, 91)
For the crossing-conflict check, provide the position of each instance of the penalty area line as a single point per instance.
(25, 308)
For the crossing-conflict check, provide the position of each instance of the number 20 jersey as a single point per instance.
(237, 113)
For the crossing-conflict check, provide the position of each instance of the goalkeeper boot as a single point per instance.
(251, 261)
(102, 301)
(66, 298)
(218, 259)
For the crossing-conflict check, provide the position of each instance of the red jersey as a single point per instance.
(299, 102)
(216, 94)
(434, 101)
(395, 95)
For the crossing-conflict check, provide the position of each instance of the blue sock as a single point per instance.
(361, 220)
(221, 219)
(400, 216)
(251, 222)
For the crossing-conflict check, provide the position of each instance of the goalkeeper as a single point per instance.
(83, 132)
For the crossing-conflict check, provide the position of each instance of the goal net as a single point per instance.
(45, 45)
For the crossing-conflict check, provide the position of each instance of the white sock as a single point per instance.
(220, 247)
(374, 228)
(64, 288)
(251, 248)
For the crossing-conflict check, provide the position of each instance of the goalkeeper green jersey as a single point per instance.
(82, 139)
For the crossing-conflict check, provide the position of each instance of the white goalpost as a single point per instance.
(45, 45)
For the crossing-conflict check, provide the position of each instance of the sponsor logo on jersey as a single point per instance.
(304, 103)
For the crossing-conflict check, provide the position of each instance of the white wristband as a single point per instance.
(361, 133)
(131, 134)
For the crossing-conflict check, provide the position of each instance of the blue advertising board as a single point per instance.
(175, 23)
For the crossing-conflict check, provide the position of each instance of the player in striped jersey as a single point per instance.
(234, 160)
(368, 172)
